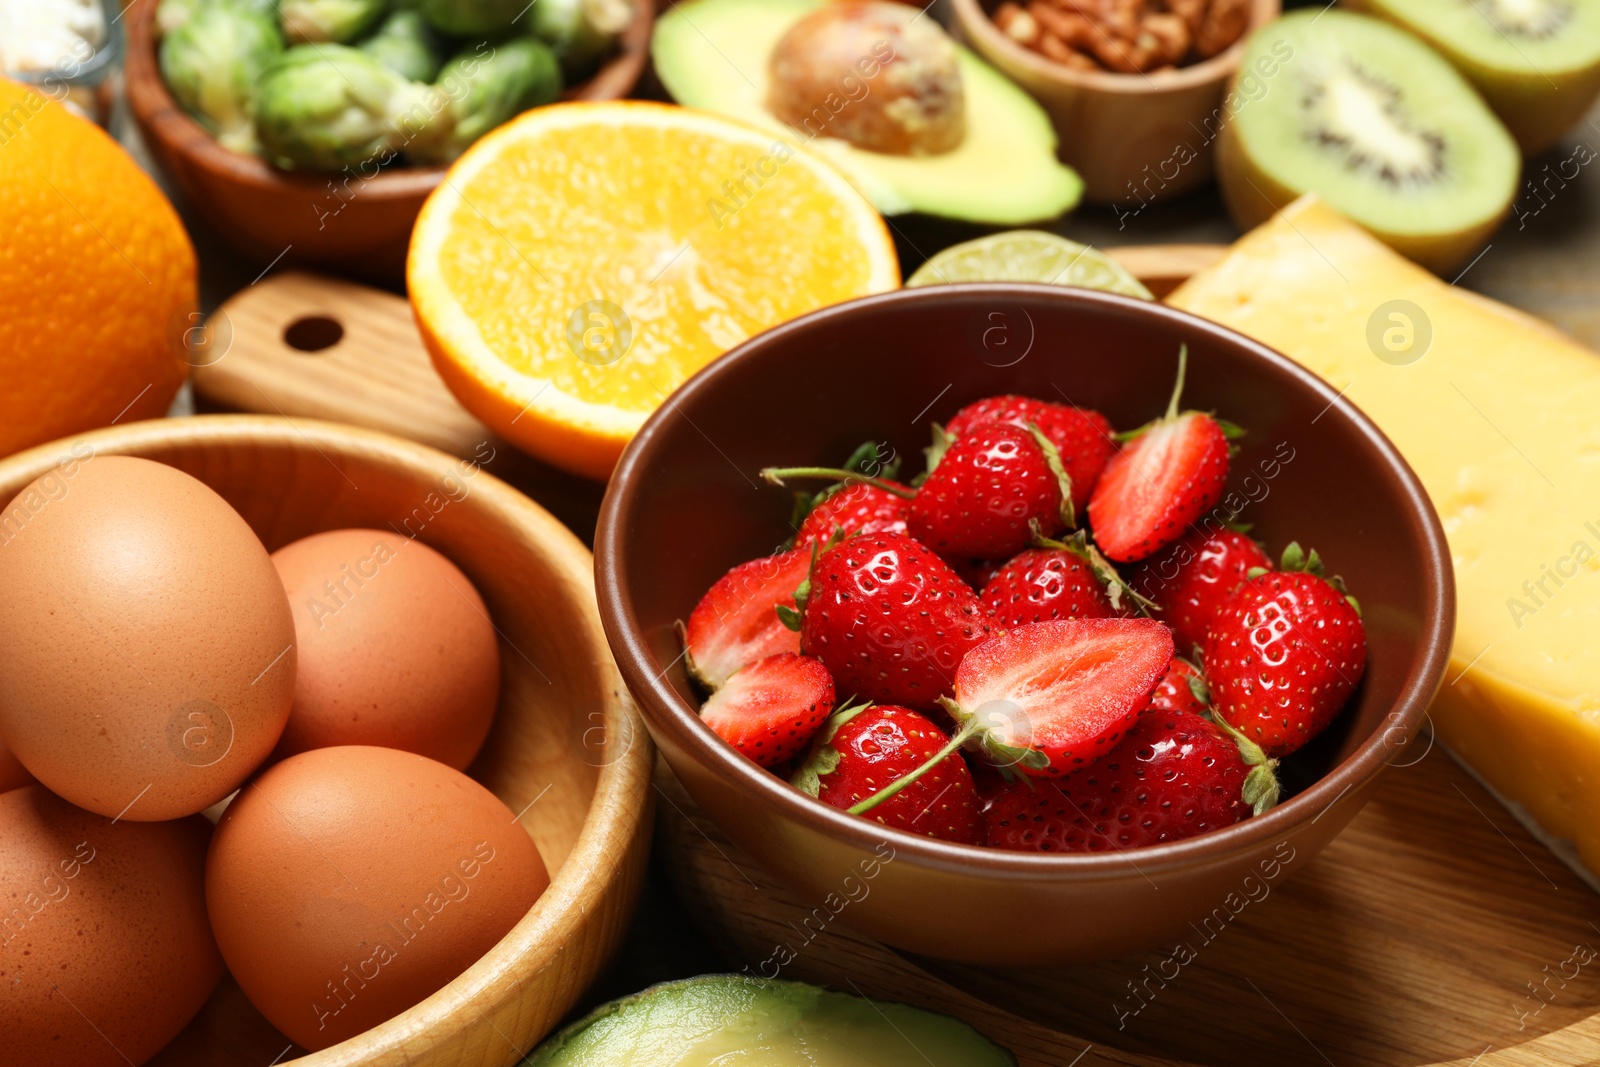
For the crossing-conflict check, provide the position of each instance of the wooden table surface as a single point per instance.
(1545, 260)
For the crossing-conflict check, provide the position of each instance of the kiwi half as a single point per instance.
(1377, 124)
(1537, 62)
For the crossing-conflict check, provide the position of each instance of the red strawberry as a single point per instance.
(988, 488)
(1082, 437)
(889, 619)
(736, 623)
(1174, 775)
(865, 749)
(857, 508)
(1181, 689)
(1170, 473)
(770, 709)
(1284, 653)
(1048, 697)
(1045, 583)
(1190, 580)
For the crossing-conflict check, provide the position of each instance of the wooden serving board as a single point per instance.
(1434, 930)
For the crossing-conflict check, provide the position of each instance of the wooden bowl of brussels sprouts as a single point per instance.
(311, 131)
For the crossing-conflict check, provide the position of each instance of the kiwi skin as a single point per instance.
(1536, 112)
(1252, 197)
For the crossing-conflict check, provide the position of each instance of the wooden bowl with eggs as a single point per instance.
(567, 749)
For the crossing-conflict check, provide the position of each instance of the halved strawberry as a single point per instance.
(1167, 475)
(989, 488)
(1285, 652)
(1174, 775)
(1048, 697)
(862, 750)
(857, 508)
(1082, 437)
(1189, 581)
(770, 709)
(736, 622)
(889, 619)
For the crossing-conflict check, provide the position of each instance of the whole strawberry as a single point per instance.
(1284, 653)
(1082, 438)
(1045, 583)
(1173, 775)
(989, 487)
(1048, 697)
(889, 619)
(856, 508)
(1168, 474)
(1058, 580)
(736, 622)
(1190, 580)
(862, 750)
(771, 709)
(1182, 688)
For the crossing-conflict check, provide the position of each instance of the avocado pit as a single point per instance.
(872, 73)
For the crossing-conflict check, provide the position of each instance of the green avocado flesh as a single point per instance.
(712, 55)
(733, 1021)
(1376, 123)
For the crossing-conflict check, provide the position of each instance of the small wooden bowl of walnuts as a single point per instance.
(1138, 89)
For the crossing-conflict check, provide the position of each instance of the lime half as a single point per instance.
(1028, 256)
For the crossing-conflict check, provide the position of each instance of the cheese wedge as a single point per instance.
(1499, 414)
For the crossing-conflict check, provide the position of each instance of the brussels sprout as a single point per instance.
(472, 18)
(580, 31)
(174, 13)
(214, 62)
(326, 107)
(339, 21)
(407, 45)
(486, 85)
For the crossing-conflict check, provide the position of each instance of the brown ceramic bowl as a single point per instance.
(360, 225)
(686, 503)
(1132, 137)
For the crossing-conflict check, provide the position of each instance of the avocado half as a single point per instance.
(712, 55)
(730, 1020)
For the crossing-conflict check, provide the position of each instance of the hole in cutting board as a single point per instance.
(313, 333)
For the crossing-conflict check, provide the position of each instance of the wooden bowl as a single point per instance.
(344, 221)
(686, 503)
(566, 739)
(1133, 138)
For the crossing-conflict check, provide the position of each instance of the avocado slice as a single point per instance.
(712, 55)
(730, 1020)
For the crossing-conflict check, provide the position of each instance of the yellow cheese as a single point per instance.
(1500, 417)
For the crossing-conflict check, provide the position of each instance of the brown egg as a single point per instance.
(347, 884)
(395, 647)
(146, 650)
(105, 953)
(13, 775)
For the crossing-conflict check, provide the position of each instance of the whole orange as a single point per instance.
(97, 278)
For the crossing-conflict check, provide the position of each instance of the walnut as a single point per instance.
(1055, 48)
(1018, 25)
(1170, 35)
(1224, 23)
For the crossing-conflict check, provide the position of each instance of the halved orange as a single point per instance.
(580, 262)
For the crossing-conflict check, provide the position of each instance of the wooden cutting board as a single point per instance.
(1434, 930)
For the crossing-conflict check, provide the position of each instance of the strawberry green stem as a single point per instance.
(776, 475)
(970, 727)
(1177, 388)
